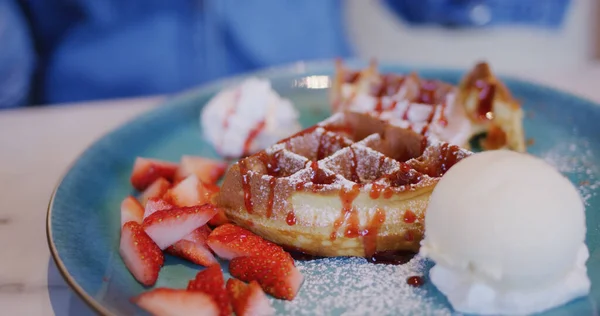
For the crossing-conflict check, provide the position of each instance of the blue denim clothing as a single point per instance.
(17, 59)
(90, 49)
(93, 49)
(481, 13)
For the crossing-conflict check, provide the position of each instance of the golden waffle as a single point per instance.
(480, 107)
(352, 185)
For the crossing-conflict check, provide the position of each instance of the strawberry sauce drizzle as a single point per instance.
(252, 136)
(320, 149)
(370, 232)
(353, 167)
(415, 281)
(347, 197)
(290, 219)
(429, 120)
(443, 121)
(405, 114)
(271, 196)
(409, 217)
(246, 186)
(230, 112)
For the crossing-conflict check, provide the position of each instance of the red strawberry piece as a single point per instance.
(131, 210)
(277, 277)
(219, 219)
(193, 248)
(211, 282)
(230, 241)
(156, 204)
(207, 170)
(199, 235)
(167, 227)
(190, 191)
(146, 171)
(157, 189)
(248, 299)
(172, 302)
(211, 191)
(141, 255)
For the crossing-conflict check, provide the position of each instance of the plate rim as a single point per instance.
(299, 67)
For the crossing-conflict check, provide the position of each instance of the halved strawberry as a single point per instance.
(167, 227)
(156, 204)
(193, 248)
(277, 277)
(145, 171)
(219, 219)
(190, 191)
(207, 170)
(131, 210)
(157, 189)
(248, 299)
(199, 235)
(141, 255)
(230, 241)
(172, 302)
(211, 282)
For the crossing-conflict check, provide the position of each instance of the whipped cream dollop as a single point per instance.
(446, 122)
(245, 119)
(506, 232)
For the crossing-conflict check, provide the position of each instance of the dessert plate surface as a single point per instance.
(84, 214)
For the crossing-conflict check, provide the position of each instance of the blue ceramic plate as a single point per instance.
(84, 214)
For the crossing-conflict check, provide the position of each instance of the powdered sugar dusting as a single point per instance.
(352, 286)
(575, 159)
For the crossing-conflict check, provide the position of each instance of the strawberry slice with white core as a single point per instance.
(167, 227)
(141, 255)
(211, 282)
(157, 189)
(131, 210)
(193, 248)
(156, 204)
(230, 241)
(248, 299)
(207, 170)
(172, 302)
(279, 278)
(191, 191)
(145, 171)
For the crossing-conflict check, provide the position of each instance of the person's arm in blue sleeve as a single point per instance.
(17, 56)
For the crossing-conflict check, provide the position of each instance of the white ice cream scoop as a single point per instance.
(506, 231)
(248, 118)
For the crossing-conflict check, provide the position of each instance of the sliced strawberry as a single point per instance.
(167, 227)
(157, 189)
(193, 248)
(141, 255)
(248, 299)
(189, 192)
(131, 210)
(277, 277)
(145, 171)
(230, 241)
(211, 282)
(211, 191)
(219, 219)
(172, 302)
(207, 170)
(156, 204)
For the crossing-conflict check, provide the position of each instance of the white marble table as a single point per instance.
(37, 144)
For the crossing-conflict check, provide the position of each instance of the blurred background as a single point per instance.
(61, 51)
